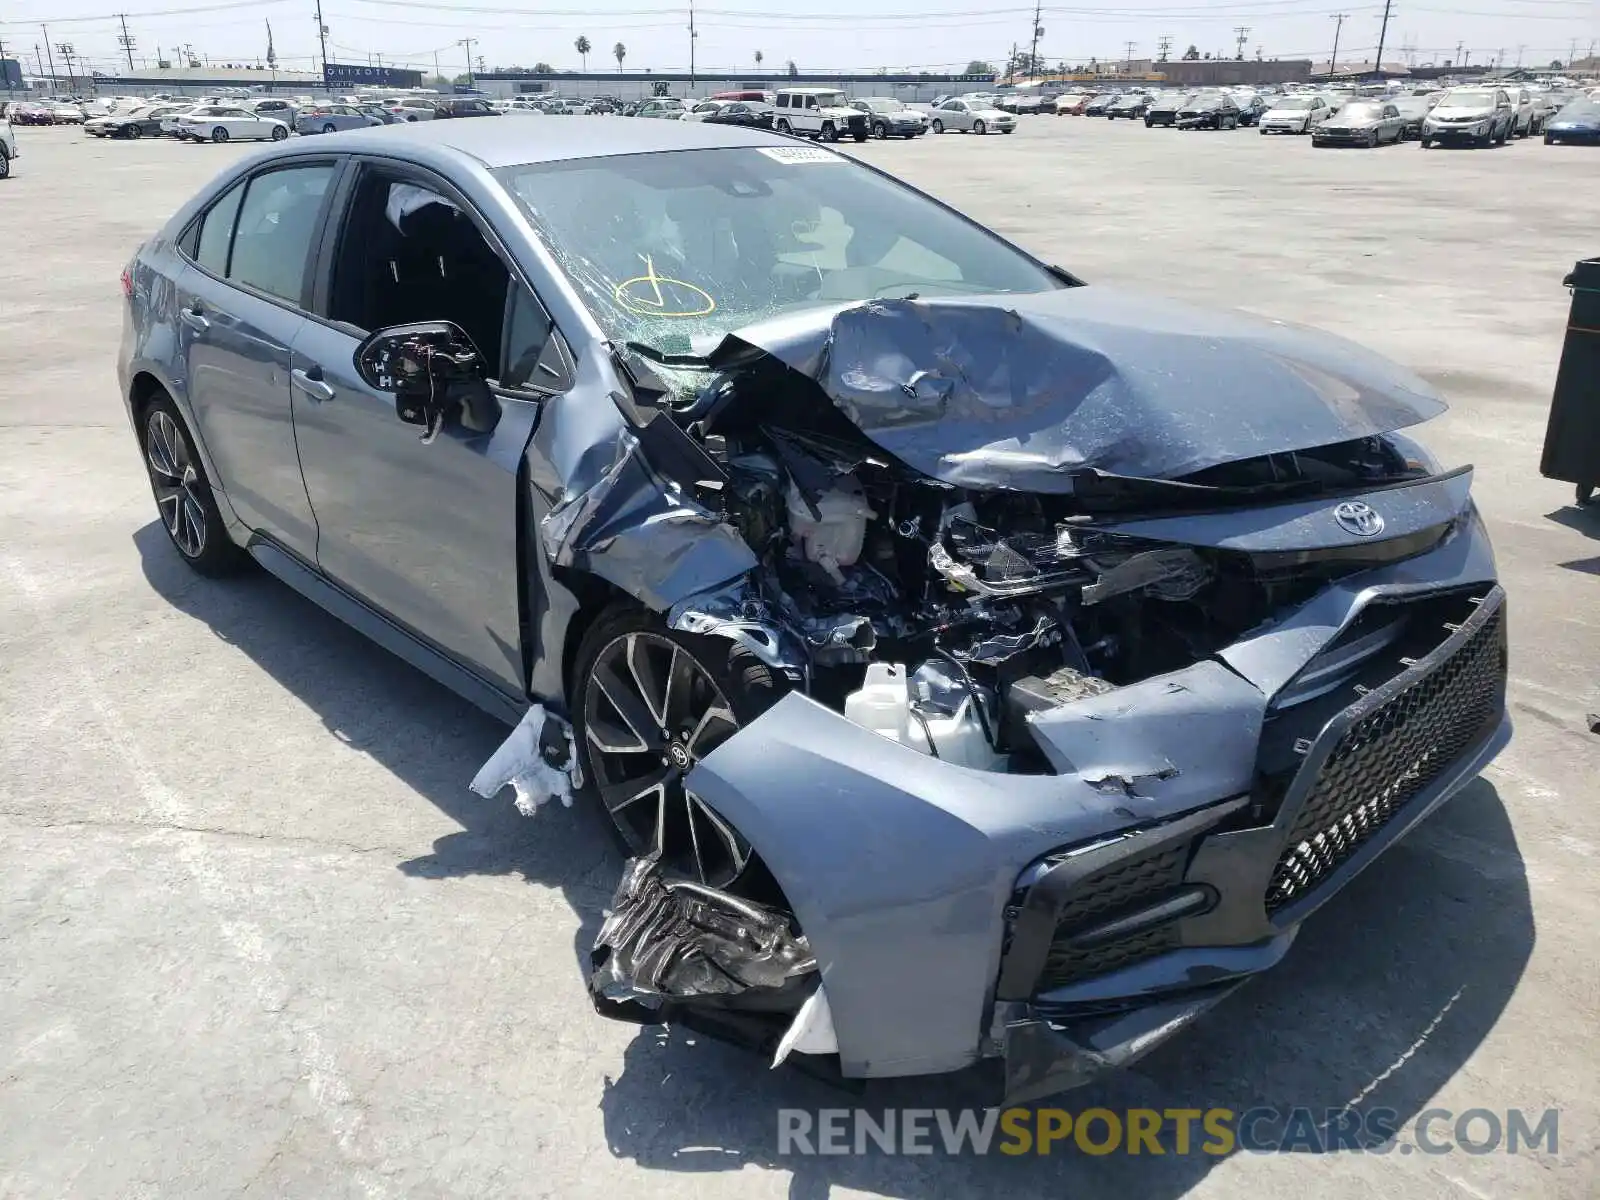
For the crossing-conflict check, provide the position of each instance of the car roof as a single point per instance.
(505, 143)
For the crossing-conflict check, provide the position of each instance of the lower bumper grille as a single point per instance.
(1389, 754)
(1127, 886)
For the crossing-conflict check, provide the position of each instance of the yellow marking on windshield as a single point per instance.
(654, 295)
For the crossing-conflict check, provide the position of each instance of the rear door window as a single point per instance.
(278, 222)
(216, 232)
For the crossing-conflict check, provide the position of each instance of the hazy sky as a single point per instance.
(822, 34)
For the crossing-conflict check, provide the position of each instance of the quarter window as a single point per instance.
(277, 224)
(216, 231)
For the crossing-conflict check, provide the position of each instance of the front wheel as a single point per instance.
(183, 496)
(938, 126)
(1372, 140)
(279, 133)
(648, 704)
(880, 131)
(328, 127)
(979, 128)
(860, 137)
(5, 165)
(219, 135)
(1584, 494)
(1010, 129)
(829, 133)
(134, 132)
(1425, 142)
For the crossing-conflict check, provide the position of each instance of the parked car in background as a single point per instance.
(1164, 109)
(1070, 104)
(662, 108)
(1577, 124)
(1415, 110)
(601, 106)
(752, 114)
(8, 145)
(278, 109)
(1473, 115)
(1525, 112)
(379, 114)
(138, 123)
(330, 118)
(968, 116)
(819, 112)
(216, 123)
(411, 108)
(451, 107)
(1098, 106)
(64, 113)
(1132, 106)
(1251, 109)
(1362, 123)
(28, 113)
(888, 117)
(1209, 110)
(703, 109)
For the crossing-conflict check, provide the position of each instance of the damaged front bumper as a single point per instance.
(1066, 923)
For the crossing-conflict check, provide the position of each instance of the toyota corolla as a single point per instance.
(971, 663)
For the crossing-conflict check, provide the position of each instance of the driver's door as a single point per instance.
(424, 532)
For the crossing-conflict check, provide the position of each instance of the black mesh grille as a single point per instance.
(1389, 755)
(1121, 888)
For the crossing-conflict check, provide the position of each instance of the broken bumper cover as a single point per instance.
(1068, 923)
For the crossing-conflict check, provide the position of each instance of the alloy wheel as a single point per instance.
(651, 712)
(176, 482)
(219, 134)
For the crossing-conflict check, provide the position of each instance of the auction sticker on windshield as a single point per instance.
(798, 156)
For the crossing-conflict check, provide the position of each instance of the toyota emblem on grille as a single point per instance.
(1358, 518)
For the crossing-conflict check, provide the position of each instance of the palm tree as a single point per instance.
(620, 52)
(759, 57)
(583, 47)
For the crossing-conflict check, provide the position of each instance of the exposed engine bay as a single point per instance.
(941, 616)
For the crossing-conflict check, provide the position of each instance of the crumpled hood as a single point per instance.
(1021, 392)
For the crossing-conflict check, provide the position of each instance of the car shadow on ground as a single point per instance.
(1387, 992)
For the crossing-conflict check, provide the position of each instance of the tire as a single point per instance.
(133, 133)
(979, 128)
(1013, 129)
(828, 132)
(1372, 140)
(1584, 494)
(1148, 123)
(782, 127)
(722, 688)
(880, 131)
(5, 165)
(938, 125)
(412, 120)
(329, 127)
(859, 137)
(184, 503)
(219, 135)
(279, 133)
(1486, 140)
(1425, 143)
(1548, 140)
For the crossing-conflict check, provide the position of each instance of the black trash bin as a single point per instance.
(1572, 437)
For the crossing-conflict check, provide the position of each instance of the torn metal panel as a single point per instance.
(537, 761)
(674, 940)
(1021, 392)
(643, 533)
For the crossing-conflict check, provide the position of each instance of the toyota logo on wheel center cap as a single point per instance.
(678, 755)
(1358, 518)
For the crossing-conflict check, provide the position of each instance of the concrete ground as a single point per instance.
(258, 939)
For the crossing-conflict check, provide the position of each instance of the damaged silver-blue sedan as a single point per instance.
(973, 664)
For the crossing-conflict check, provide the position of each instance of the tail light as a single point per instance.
(127, 282)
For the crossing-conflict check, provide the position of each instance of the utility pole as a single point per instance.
(1520, 49)
(1333, 63)
(1457, 59)
(126, 41)
(1383, 32)
(436, 72)
(1127, 63)
(1033, 46)
(692, 36)
(1242, 32)
(466, 44)
(50, 56)
(1163, 45)
(66, 55)
(1011, 64)
(322, 40)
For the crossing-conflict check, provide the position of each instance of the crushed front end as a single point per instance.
(1090, 700)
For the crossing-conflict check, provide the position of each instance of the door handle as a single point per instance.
(194, 317)
(312, 383)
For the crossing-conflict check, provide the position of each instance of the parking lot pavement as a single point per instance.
(257, 938)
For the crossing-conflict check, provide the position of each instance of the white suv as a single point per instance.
(819, 112)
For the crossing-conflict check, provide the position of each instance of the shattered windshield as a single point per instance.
(680, 245)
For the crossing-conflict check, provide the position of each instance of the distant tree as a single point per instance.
(978, 67)
(1192, 53)
(619, 52)
(543, 68)
(794, 71)
(759, 57)
(583, 47)
(1555, 64)
(1208, 55)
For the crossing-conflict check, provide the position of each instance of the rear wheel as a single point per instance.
(183, 495)
(649, 703)
(219, 134)
(782, 126)
(328, 127)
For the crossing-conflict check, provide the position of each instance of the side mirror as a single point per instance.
(430, 367)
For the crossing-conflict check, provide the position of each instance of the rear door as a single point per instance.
(241, 308)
